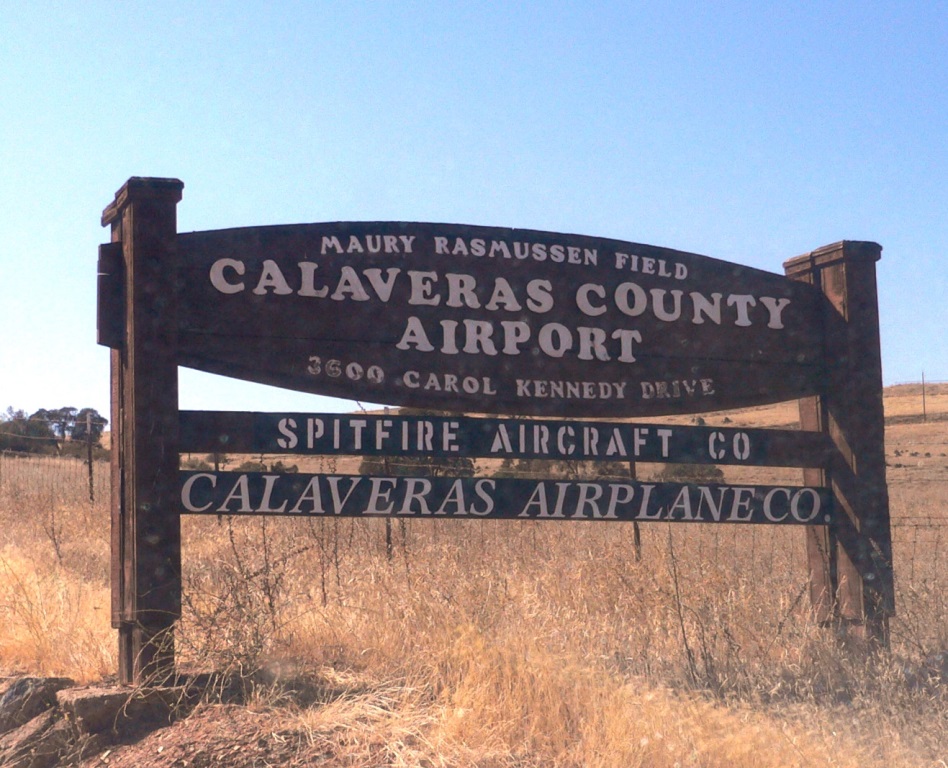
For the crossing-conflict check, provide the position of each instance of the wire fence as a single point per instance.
(918, 383)
(49, 479)
(38, 481)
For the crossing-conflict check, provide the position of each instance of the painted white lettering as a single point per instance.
(501, 441)
(658, 304)
(289, 439)
(558, 346)
(539, 296)
(639, 299)
(626, 338)
(795, 503)
(338, 501)
(272, 278)
(478, 338)
(484, 490)
(741, 302)
(516, 332)
(349, 285)
(503, 297)
(378, 494)
(768, 504)
(239, 493)
(454, 496)
(706, 309)
(417, 490)
(461, 291)
(741, 504)
(382, 288)
(775, 308)
(619, 493)
(583, 302)
(415, 336)
(308, 281)
(265, 503)
(589, 495)
(218, 278)
(312, 495)
(186, 491)
(422, 287)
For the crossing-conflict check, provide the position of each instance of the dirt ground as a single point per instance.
(222, 735)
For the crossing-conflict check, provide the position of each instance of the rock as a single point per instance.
(47, 750)
(39, 743)
(92, 710)
(47, 722)
(27, 697)
(123, 712)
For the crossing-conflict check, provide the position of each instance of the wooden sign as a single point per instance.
(503, 322)
(458, 498)
(493, 320)
(443, 436)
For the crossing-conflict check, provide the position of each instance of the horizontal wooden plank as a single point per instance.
(453, 498)
(499, 438)
(494, 320)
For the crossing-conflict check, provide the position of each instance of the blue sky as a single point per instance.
(749, 132)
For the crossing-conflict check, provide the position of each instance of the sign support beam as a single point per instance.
(146, 533)
(851, 577)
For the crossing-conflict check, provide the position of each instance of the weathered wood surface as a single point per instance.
(406, 313)
(850, 561)
(146, 537)
(475, 498)
(446, 436)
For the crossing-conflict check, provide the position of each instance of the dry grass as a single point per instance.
(522, 643)
(54, 623)
(54, 592)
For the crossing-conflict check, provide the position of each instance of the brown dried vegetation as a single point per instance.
(505, 644)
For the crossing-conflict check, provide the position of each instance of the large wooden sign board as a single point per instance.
(504, 322)
(499, 320)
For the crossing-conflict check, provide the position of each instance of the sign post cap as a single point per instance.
(844, 250)
(140, 188)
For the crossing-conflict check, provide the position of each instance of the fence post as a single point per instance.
(89, 457)
(146, 534)
(851, 578)
(636, 533)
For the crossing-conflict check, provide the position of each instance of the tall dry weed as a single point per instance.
(53, 623)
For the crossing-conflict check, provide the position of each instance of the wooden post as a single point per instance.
(89, 458)
(636, 533)
(851, 578)
(146, 534)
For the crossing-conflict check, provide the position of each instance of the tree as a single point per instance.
(89, 423)
(19, 432)
(70, 423)
(63, 421)
(47, 429)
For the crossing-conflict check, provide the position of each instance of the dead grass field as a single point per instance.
(510, 643)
